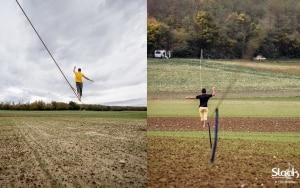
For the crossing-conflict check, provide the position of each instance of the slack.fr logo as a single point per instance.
(289, 173)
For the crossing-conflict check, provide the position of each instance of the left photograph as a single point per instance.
(73, 99)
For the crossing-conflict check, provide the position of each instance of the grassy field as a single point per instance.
(78, 114)
(266, 93)
(240, 107)
(251, 136)
(73, 149)
(244, 78)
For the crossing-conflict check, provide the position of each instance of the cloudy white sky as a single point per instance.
(105, 38)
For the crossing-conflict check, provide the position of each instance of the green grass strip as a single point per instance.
(228, 108)
(80, 114)
(253, 136)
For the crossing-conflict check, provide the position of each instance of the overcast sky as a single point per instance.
(105, 38)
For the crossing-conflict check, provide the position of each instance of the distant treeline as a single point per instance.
(225, 28)
(42, 106)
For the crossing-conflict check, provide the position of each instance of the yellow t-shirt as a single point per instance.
(78, 77)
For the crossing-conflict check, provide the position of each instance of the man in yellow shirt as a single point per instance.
(78, 80)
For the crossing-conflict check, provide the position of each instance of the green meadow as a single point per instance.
(77, 114)
(241, 107)
(244, 88)
(250, 136)
(234, 79)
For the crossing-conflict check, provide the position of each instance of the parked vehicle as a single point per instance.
(260, 58)
(162, 54)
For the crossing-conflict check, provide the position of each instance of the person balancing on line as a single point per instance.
(78, 80)
(203, 108)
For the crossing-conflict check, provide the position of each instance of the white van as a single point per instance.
(162, 54)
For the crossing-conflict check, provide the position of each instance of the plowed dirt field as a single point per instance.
(179, 161)
(63, 151)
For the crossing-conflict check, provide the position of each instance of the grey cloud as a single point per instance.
(106, 38)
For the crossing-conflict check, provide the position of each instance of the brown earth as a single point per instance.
(175, 162)
(72, 152)
(226, 124)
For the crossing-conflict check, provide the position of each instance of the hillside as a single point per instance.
(175, 78)
(225, 28)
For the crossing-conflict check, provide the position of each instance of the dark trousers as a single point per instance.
(79, 86)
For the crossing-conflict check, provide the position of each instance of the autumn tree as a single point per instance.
(238, 31)
(73, 106)
(158, 36)
(152, 34)
(37, 105)
(225, 29)
(205, 32)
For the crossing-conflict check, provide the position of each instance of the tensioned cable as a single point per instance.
(228, 88)
(216, 113)
(214, 146)
(209, 133)
(213, 153)
(201, 57)
(47, 49)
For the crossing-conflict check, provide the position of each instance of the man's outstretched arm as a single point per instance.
(190, 97)
(88, 78)
(74, 69)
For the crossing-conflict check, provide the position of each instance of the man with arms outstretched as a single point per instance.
(203, 107)
(78, 80)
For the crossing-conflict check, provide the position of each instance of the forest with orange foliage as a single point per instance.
(225, 29)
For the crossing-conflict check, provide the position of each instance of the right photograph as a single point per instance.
(223, 95)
